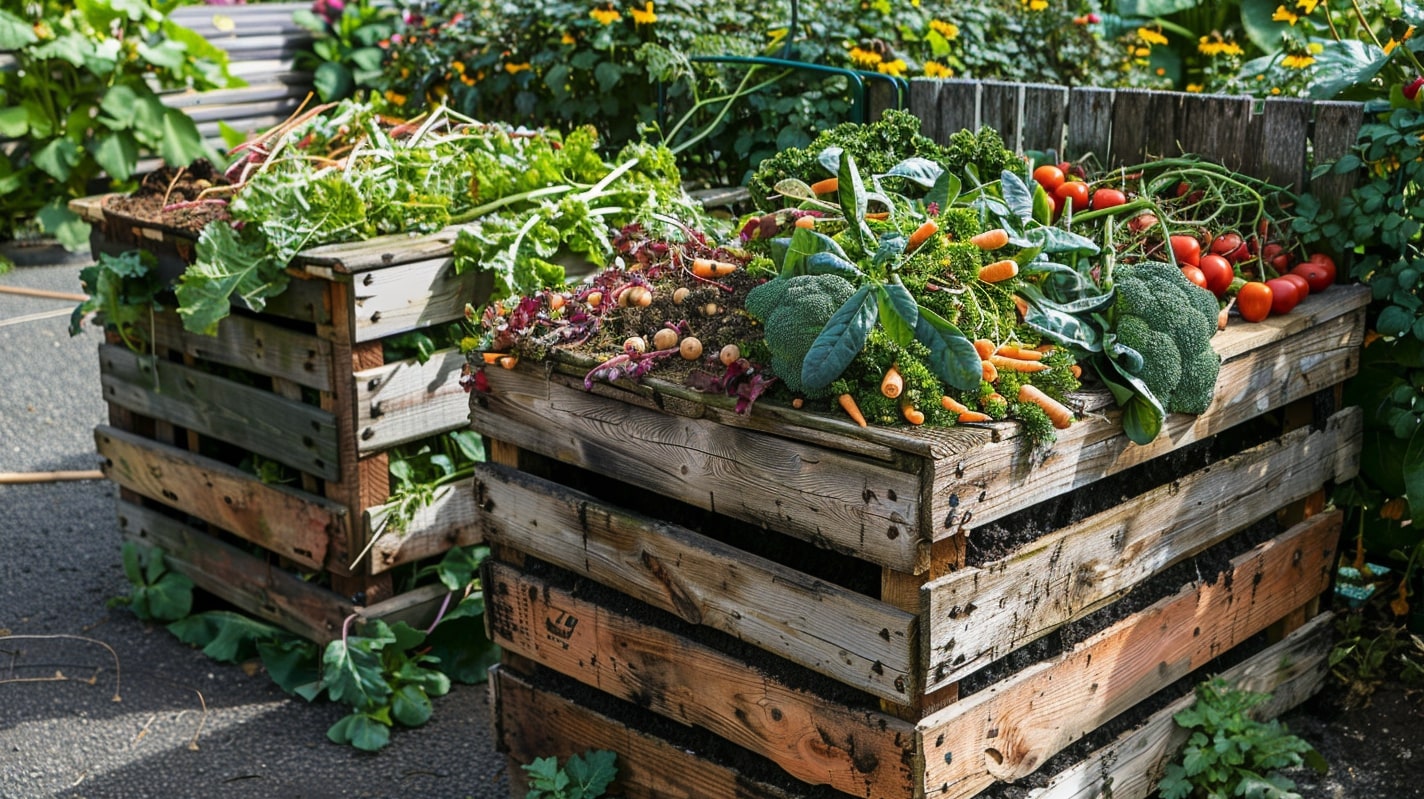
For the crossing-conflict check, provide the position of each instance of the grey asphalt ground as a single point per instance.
(183, 725)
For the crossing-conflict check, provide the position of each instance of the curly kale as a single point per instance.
(1169, 321)
(793, 311)
(983, 150)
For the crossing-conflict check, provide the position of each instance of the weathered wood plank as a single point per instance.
(837, 501)
(924, 103)
(260, 588)
(406, 400)
(1045, 109)
(958, 107)
(861, 752)
(1089, 124)
(417, 607)
(252, 344)
(530, 723)
(1336, 127)
(849, 637)
(299, 435)
(1284, 124)
(382, 251)
(1215, 127)
(1001, 108)
(997, 479)
(1291, 671)
(978, 615)
(1240, 337)
(1006, 731)
(290, 523)
(450, 520)
(410, 296)
(1131, 116)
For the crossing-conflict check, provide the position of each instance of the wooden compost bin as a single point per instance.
(782, 604)
(302, 383)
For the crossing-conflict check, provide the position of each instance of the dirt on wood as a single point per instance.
(181, 200)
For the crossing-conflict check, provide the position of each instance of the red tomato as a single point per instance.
(1049, 176)
(1231, 247)
(1325, 262)
(1254, 301)
(1075, 192)
(1315, 274)
(1108, 198)
(1218, 272)
(1284, 295)
(1186, 249)
(1195, 275)
(1302, 286)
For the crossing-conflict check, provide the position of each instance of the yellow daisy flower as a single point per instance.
(864, 58)
(1308, 6)
(1283, 14)
(1195, 88)
(515, 69)
(1037, 5)
(644, 15)
(605, 16)
(895, 68)
(1297, 61)
(567, 38)
(934, 69)
(946, 29)
(1150, 36)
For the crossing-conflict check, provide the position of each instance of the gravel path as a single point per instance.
(59, 566)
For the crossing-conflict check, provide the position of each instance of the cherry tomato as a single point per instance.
(1284, 295)
(1075, 192)
(1108, 198)
(1195, 275)
(1315, 274)
(1218, 273)
(1049, 176)
(1302, 286)
(1186, 249)
(1325, 262)
(1225, 243)
(1254, 301)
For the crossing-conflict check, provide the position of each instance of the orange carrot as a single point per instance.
(922, 233)
(892, 384)
(1015, 351)
(509, 361)
(1076, 370)
(492, 358)
(852, 410)
(1057, 412)
(1045, 348)
(990, 239)
(1006, 364)
(990, 371)
(808, 222)
(995, 396)
(953, 405)
(999, 271)
(975, 416)
(912, 414)
(877, 216)
(1022, 305)
(556, 301)
(827, 186)
(705, 267)
(984, 347)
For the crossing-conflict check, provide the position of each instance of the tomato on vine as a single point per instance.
(1254, 301)
(1074, 192)
(1050, 177)
(1284, 295)
(1107, 198)
(1195, 275)
(1218, 273)
(1186, 249)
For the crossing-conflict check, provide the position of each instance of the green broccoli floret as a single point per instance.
(793, 312)
(1169, 321)
(984, 149)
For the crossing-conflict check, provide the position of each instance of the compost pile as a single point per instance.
(903, 282)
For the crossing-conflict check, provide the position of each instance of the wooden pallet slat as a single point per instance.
(1089, 124)
(252, 344)
(450, 520)
(406, 400)
(1045, 112)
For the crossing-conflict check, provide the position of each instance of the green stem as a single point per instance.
(533, 194)
(726, 107)
(1364, 23)
(1140, 204)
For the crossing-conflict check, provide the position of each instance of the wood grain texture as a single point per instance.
(1132, 112)
(530, 723)
(253, 585)
(924, 103)
(849, 637)
(837, 501)
(1336, 127)
(980, 614)
(1089, 123)
(404, 297)
(997, 479)
(1215, 126)
(1007, 730)
(290, 523)
(252, 344)
(861, 752)
(451, 520)
(1291, 671)
(1284, 129)
(1001, 108)
(299, 435)
(958, 107)
(1045, 109)
(406, 400)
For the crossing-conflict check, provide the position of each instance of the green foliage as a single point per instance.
(421, 472)
(583, 776)
(1168, 321)
(1370, 649)
(226, 636)
(158, 593)
(123, 291)
(346, 54)
(82, 103)
(1230, 753)
(793, 312)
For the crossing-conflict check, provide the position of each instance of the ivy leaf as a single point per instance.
(840, 340)
(226, 266)
(953, 358)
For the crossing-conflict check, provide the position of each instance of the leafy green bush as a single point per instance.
(346, 55)
(584, 776)
(81, 102)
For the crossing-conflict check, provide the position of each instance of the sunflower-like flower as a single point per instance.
(605, 15)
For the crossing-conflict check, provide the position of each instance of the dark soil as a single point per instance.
(191, 196)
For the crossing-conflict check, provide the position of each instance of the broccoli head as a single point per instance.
(1169, 321)
(793, 311)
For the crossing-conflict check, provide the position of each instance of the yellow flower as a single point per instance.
(567, 38)
(515, 69)
(1275, 90)
(1297, 61)
(863, 58)
(1150, 36)
(1315, 48)
(1308, 6)
(1142, 52)
(457, 67)
(895, 68)
(395, 99)
(948, 30)
(1214, 45)
(1389, 46)
(644, 15)
(1195, 88)
(934, 69)
(605, 16)
(1284, 15)
(1037, 5)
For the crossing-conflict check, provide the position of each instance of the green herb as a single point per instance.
(159, 594)
(123, 291)
(345, 54)
(583, 776)
(1230, 753)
